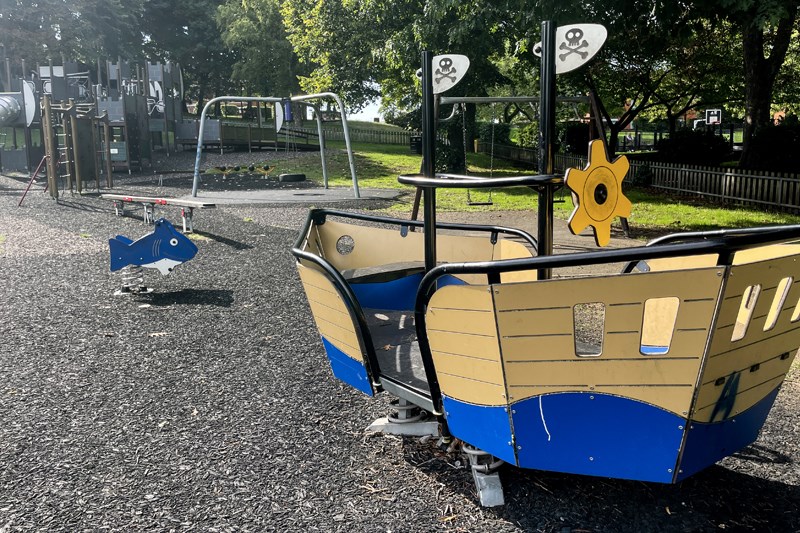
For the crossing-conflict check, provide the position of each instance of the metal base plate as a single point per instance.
(123, 292)
(490, 490)
(411, 429)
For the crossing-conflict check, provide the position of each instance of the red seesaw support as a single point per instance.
(149, 203)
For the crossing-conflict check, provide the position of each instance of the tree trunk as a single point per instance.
(760, 73)
(470, 127)
(457, 157)
(613, 139)
(758, 90)
(217, 105)
(672, 122)
(201, 95)
(612, 128)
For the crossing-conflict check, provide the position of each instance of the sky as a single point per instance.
(368, 113)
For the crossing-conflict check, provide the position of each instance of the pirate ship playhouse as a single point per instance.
(651, 374)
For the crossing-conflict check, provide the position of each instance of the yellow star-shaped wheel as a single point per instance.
(597, 192)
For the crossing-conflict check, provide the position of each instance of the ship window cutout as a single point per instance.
(749, 299)
(589, 320)
(777, 303)
(796, 312)
(345, 245)
(658, 325)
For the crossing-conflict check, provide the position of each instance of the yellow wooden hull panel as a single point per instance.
(330, 312)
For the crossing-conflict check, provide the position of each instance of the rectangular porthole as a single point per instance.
(658, 325)
(777, 303)
(589, 326)
(746, 307)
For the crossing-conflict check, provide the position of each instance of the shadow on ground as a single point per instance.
(217, 298)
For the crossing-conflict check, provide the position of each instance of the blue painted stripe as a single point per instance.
(708, 443)
(648, 349)
(484, 426)
(597, 434)
(347, 369)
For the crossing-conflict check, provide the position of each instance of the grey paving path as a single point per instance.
(292, 195)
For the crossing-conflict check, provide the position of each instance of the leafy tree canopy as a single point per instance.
(266, 64)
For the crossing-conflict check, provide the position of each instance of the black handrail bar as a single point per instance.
(349, 297)
(463, 181)
(673, 238)
(319, 215)
(543, 184)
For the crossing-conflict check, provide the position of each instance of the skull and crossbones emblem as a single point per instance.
(574, 44)
(445, 70)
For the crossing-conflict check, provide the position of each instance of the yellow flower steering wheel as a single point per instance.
(597, 193)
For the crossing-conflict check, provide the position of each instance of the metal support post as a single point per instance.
(484, 472)
(547, 124)
(428, 159)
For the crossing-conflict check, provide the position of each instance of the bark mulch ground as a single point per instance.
(208, 405)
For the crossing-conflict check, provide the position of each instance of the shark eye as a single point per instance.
(173, 241)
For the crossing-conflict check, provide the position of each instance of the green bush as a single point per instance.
(450, 152)
(574, 138)
(502, 132)
(529, 135)
(408, 120)
(693, 147)
(777, 147)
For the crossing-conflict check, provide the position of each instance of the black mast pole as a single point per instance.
(547, 126)
(428, 159)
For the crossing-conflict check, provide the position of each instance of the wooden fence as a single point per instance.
(510, 153)
(728, 186)
(363, 135)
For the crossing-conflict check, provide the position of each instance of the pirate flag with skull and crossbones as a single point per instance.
(448, 70)
(577, 44)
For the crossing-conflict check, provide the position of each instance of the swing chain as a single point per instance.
(491, 156)
(464, 135)
(491, 152)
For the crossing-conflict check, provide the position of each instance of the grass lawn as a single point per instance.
(379, 165)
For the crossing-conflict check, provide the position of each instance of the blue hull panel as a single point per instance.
(483, 426)
(347, 369)
(598, 435)
(395, 295)
(708, 443)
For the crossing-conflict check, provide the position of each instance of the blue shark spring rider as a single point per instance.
(163, 249)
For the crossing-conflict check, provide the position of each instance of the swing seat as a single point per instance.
(488, 200)
(291, 178)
